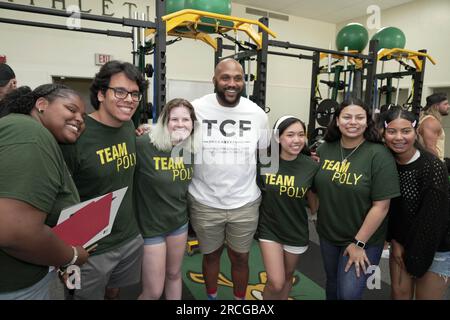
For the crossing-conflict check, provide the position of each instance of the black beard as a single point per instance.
(221, 95)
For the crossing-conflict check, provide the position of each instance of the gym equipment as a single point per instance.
(325, 111)
(149, 70)
(192, 247)
(214, 6)
(317, 138)
(136, 34)
(389, 38)
(174, 6)
(353, 36)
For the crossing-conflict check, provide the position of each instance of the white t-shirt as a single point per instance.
(225, 165)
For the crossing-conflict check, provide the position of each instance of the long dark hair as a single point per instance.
(370, 134)
(23, 99)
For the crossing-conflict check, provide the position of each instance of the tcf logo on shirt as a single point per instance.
(118, 153)
(228, 128)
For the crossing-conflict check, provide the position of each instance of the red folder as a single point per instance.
(85, 223)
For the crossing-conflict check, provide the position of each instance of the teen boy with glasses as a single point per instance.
(103, 160)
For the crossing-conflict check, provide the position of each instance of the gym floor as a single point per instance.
(309, 281)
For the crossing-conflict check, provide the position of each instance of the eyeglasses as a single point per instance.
(121, 93)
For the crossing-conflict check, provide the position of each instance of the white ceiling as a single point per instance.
(333, 11)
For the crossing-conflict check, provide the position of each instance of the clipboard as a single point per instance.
(87, 222)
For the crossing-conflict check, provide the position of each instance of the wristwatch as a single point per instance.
(358, 243)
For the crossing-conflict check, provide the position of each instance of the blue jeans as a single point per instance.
(343, 285)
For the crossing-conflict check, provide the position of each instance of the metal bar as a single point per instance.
(313, 100)
(288, 45)
(135, 43)
(142, 31)
(388, 91)
(218, 53)
(160, 59)
(227, 46)
(394, 75)
(249, 76)
(111, 33)
(397, 91)
(418, 85)
(83, 16)
(357, 84)
(371, 66)
(299, 56)
(241, 55)
(260, 85)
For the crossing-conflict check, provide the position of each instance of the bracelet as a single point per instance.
(74, 258)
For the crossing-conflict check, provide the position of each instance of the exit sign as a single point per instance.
(101, 59)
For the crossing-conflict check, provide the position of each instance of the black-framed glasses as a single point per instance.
(121, 93)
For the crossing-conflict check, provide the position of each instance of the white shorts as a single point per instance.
(290, 249)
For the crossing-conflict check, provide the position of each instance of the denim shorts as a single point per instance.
(441, 264)
(162, 238)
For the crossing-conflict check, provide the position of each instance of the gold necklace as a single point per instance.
(344, 160)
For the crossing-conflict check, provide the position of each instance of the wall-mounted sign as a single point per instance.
(101, 59)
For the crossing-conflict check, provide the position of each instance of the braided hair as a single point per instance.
(23, 99)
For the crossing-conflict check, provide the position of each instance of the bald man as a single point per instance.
(7, 80)
(223, 196)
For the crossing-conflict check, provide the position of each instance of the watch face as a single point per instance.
(360, 243)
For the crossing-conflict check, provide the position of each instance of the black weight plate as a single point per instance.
(325, 111)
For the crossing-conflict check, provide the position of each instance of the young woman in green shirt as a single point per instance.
(283, 223)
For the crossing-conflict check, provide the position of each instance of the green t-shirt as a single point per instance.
(101, 161)
(32, 171)
(346, 190)
(161, 184)
(283, 216)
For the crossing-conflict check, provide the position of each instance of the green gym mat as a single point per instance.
(303, 288)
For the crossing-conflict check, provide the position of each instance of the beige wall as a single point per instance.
(37, 54)
(426, 24)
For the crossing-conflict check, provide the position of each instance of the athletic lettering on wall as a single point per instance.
(119, 154)
(107, 8)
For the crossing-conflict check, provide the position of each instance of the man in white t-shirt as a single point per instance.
(223, 196)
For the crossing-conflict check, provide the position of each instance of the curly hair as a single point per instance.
(23, 99)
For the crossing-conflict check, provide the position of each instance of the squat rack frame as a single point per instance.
(369, 64)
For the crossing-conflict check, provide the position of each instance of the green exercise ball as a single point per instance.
(174, 6)
(353, 36)
(390, 37)
(214, 6)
